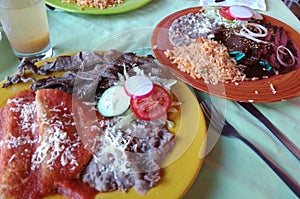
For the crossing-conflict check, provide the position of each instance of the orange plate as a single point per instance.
(287, 86)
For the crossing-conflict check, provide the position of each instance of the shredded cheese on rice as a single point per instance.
(206, 59)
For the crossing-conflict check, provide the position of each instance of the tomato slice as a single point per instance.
(224, 12)
(153, 106)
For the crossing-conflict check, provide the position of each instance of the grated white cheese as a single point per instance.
(56, 146)
(273, 89)
(11, 158)
(188, 28)
(113, 145)
(27, 112)
(14, 142)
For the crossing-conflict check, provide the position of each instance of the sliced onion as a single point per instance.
(278, 51)
(263, 31)
(138, 86)
(245, 34)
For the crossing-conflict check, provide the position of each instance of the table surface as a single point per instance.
(230, 169)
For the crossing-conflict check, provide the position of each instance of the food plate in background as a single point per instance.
(182, 164)
(287, 86)
(127, 6)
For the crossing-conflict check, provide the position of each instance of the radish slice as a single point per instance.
(138, 86)
(240, 12)
(256, 15)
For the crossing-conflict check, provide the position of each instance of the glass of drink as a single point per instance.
(25, 24)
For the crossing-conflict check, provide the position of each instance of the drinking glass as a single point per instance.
(25, 24)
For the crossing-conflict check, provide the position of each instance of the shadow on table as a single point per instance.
(205, 182)
(9, 62)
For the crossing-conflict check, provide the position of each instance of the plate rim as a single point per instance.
(222, 89)
(121, 8)
(199, 138)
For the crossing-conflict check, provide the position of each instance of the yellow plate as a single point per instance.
(183, 163)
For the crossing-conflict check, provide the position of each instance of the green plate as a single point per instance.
(128, 5)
